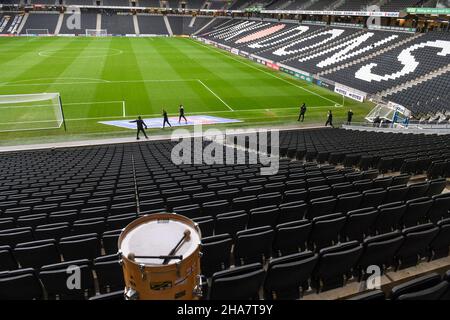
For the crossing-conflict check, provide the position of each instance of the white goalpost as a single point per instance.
(37, 32)
(96, 32)
(38, 111)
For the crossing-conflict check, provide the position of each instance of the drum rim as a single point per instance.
(154, 216)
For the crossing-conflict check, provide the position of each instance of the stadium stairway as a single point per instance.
(213, 20)
(167, 23)
(136, 25)
(59, 23)
(22, 24)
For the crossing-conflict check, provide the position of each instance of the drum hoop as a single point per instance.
(156, 216)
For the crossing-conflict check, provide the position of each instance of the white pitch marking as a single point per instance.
(59, 78)
(90, 82)
(207, 88)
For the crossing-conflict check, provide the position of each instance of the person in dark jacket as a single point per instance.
(302, 112)
(182, 114)
(140, 124)
(349, 117)
(329, 119)
(166, 119)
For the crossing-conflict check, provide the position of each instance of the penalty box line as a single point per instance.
(121, 102)
(220, 99)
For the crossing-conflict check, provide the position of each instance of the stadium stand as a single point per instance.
(396, 5)
(152, 24)
(195, 4)
(148, 3)
(341, 201)
(179, 24)
(9, 22)
(216, 4)
(118, 3)
(79, 2)
(427, 97)
(44, 21)
(88, 21)
(382, 72)
(359, 58)
(355, 5)
(72, 203)
(118, 23)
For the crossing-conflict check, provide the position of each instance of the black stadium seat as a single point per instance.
(428, 287)
(240, 283)
(291, 237)
(253, 245)
(288, 275)
(7, 261)
(70, 280)
(37, 253)
(216, 253)
(109, 273)
(22, 284)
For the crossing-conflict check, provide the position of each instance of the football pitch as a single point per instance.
(116, 79)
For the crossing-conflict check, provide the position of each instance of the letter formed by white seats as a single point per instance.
(330, 35)
(347, 51)
(406, 58)
(235, 30)
(235, 33)
(279, 38)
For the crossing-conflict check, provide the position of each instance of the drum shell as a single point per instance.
(181, 277)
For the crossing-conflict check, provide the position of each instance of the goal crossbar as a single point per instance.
(96, 32)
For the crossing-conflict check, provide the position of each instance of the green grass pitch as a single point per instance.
(96, 75)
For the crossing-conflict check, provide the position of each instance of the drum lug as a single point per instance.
(200, 254)
(143, 273)
(119, 254)
(198, 288)
(131, 294)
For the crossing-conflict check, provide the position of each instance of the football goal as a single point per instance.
(37, 32)
(96, 32)
(30, 112)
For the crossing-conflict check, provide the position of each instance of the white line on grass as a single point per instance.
(59, 78)
(7, 84)
(263, 71)
(207, 88)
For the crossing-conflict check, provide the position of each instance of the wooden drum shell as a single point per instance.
(178, 279)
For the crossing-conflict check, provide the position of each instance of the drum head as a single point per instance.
(157, 235)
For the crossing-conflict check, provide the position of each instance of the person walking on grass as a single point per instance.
(182, 114)
(329, 119)
(166, 119)
(140, 124)
(301, 116)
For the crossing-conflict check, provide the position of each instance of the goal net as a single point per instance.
(30, 112)
(96, 32)
(37, 32)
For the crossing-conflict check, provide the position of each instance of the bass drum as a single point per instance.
(160, 257)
